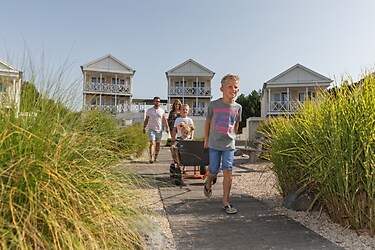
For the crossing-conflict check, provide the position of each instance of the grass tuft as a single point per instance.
(329, 147)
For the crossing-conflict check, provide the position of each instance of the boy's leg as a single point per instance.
(214, 169)
(227, 163)
(227, 184)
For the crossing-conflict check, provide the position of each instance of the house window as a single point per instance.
(198, 84)
(301, 97)
(280, 101)
(119, 81)
(284, 97)
(179, 87)
(95, 101)
(97, 80)
(310, 95)
(180, 84)
(198, 108)
(198, 88)
(276, 97)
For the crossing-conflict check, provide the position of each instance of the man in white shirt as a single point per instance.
(154, 121)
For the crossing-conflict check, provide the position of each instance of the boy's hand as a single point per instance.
(205, 145)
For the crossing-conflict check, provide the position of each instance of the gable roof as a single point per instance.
(108, 63)
(5, 67)
(298, 75)
(9, 70)
(190, 68)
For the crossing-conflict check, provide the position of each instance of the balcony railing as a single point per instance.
(106, 88)
(198, 111)
(190, 91)
(281, 107)
(5, 99)
(116, 109)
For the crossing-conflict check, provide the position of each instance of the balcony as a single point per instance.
(5, 100)
(282, 107)
(198, 111)
(116, 109)
(107, 88)
(190, 91)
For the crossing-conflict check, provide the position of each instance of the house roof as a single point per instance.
(190, 68)
(298, 75)
(108, 63)
(5, 67)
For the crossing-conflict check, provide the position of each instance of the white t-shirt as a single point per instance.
(155, 118)
(180, 121)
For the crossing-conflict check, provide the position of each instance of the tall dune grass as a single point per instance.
(329, 147)
(56, 187)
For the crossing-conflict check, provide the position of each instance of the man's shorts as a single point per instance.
(216, 157)
(154, 135)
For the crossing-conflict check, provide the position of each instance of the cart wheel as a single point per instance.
(202, 170)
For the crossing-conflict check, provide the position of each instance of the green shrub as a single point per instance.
(57, 190)
(329, 148)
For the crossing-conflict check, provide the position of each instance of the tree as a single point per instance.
(250, 106)
(29, 96)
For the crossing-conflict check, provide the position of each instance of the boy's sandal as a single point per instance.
(207, 193)
(229, 209)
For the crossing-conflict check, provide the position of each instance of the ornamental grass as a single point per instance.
(57, 190)
(329, 147)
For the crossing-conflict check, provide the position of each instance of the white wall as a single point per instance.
(199, 122)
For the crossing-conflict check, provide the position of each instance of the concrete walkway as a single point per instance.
(198, 222)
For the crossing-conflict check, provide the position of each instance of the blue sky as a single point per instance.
(254, 39)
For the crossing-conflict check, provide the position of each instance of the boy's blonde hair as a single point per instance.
(229, 77)
(186, 128)
(184, 105)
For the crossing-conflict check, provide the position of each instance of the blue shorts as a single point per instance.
(217, 156)
(154, 135)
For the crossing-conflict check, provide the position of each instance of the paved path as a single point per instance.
(198, 222)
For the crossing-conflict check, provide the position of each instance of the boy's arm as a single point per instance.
(192, 128)
(236, 125)
(207, 131)
(174, 133)
(238, 120)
